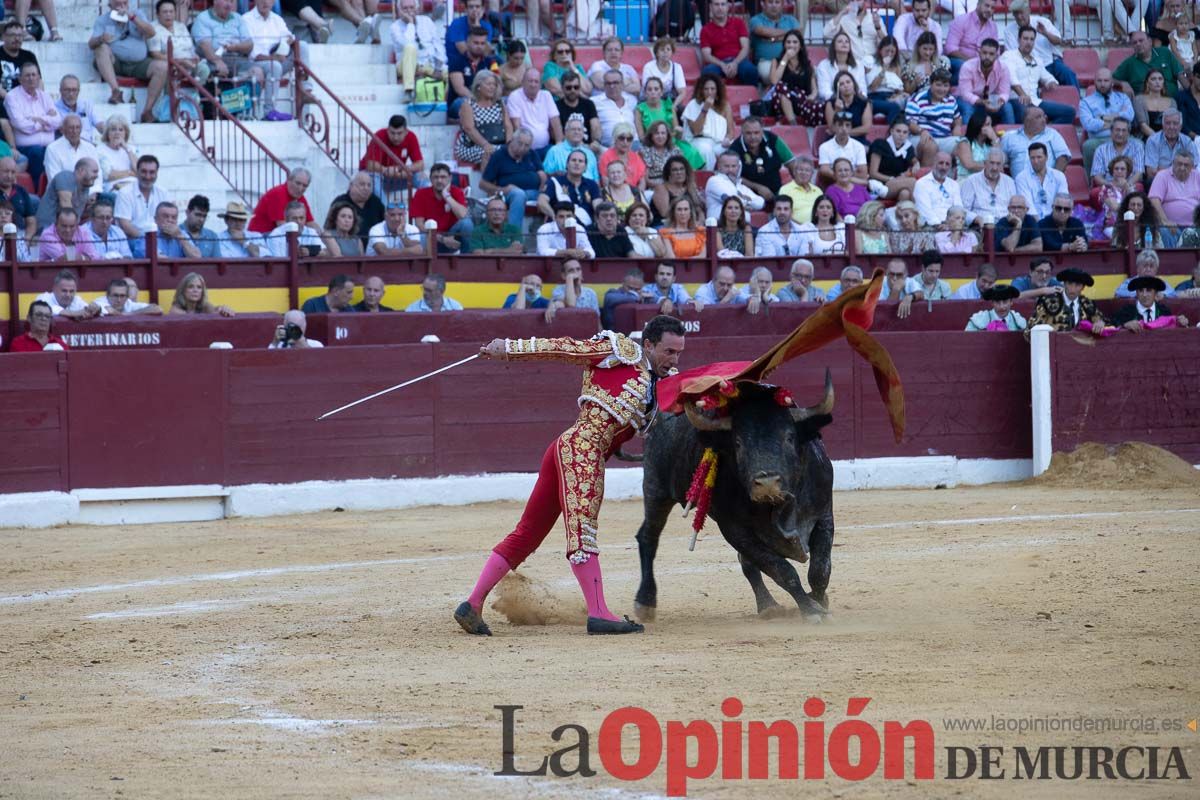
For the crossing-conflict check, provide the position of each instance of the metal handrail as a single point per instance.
(240, 157)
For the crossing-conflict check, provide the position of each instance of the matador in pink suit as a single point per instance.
(617, 402)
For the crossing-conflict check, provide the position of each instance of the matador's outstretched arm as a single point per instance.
(604, 347)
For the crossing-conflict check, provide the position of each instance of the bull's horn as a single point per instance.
(824, 407)
(704, 423)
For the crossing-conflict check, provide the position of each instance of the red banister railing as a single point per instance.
(344, 137)
(238, 155)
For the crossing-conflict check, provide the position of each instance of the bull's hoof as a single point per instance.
(813, 611)
(599, 626)
(470, 621)
(773, 611)
(821, 598)
(644, 613)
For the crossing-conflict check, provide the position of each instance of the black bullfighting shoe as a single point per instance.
(470, 620)
(598, 625)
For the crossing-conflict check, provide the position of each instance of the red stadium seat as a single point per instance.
(25, 181)
(1078, 184)
(1067, 95)
(637, 56)
(759, 218)
(816, 53)
(1071, 137)
(688, 57)
(1116, 55)
(796, 138)
(739, 97)
(1084, 61)
(539, 56)
(702, 176)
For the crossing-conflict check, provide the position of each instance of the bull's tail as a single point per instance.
(623, 456)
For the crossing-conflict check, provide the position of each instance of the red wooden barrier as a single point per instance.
(33, 422)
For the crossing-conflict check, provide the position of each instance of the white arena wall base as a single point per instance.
(151, 504)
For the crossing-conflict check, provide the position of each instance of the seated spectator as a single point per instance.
(1150, 104)
(1048, 42)
(801, 188)
(447, 206)
(463, 67)
(116, 302)
(762, 154)
(794, 84)
(555, 161)
(984, 86)
(22, 244)
(842, 146)
(725, 46)
(613, 52)
(933, 117)
(1029, 78)
(910, 238)
(167, 28)
(1060, 230)
(721, 290)
(1001, 315)
(33, 118)
(885, 80)
(841, 59)
(967, 32)
(562, 63)
(528, 295)
(512, 71)
(71, 189)
(1016, 143)
(979, 140)
(271, 55)
(936, 192)
(708, 119)
(668, 295)
(108, 240)
(910, 25)
(269, 214)
(574, 105)
(1111, 195)
(1119, 145)
(342, 226)
(68, 103)
(419, 51)
(1150, 229)
(678, 180)
(726, 182)
(571, 187)
(118, 45)
(571, 293)
(172, 241)
(395, 236)
(1188, 104)
(1164, 145)
(393, 158)
(825, 233)
(780, 236)
(926, 59)
(891, 161)
(553, 238)
(1038, 282)
(614, 106)
(622, 151)
(846, 195)
(683, 232)
(484, 124)
(64, 240)
(1146, 264)
(987, 192)
(985, 278)
(609, 239)
(220, 28)
(373, 290)
(191, 297)
(1191, 287)
(928, 285)
(433, 296)
(206, 241)
(515, 173)
(616, 188)
(895, 287)
(24, 205)
(851, 276)
(757, 293)
(292, 333)
(34, 340)
(1063, 306)
(1174, 192)
(667, 72)
(311, 241)
(1018, 232)
(862, 25)
(62, 298)
(1146, 309)
(850, 100)
(64, 152)
(1190, 237)
(956, 238)
(367, 205)
(459, 31)
(533, 107)
(629, 291)
(336, 298)
(870, 232)
(237, 242)
(734, 231)
(497, 236)
(800, 288)
(116, 156)
(1098, 112)
(1041, 182)
(645, 240)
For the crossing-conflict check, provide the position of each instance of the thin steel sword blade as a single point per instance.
(398, 386)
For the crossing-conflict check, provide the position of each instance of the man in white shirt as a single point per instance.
(533, 107)
(395, 236)
(780, 236)
(1048, 44)
(552, 236)
(116, 302)
(1040, 183)
(137, 202)
(273, 43)
(842, 146)
(65, 151)
(614, 106)
(1028, 78)
(108, 240)
(721, 290)
(237, 242)
(727, 180)
(63, 300)
(419, 51)
(987, 192)
(433, 296)
(936, 191)
(927, 284)
(285, 333)
(295, 213)
(758, 291)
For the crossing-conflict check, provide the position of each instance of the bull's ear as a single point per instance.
(810, 428)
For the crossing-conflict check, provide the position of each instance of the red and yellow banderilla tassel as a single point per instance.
(699, 494)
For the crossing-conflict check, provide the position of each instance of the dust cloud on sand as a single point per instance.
(524, 601)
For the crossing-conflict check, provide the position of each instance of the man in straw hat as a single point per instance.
(235, 241)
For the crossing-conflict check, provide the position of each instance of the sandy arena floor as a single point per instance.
(315, 656)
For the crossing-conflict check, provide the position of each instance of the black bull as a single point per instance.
(773, 497)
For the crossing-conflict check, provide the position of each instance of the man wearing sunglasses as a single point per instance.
(1060, 230)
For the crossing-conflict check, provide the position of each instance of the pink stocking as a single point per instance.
(495, 569)
(592, 584)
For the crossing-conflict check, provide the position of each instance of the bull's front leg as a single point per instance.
(780, 570)
(656, 510)
(821, 544)
(767, 607)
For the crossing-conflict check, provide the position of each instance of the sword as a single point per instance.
(398, 386)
